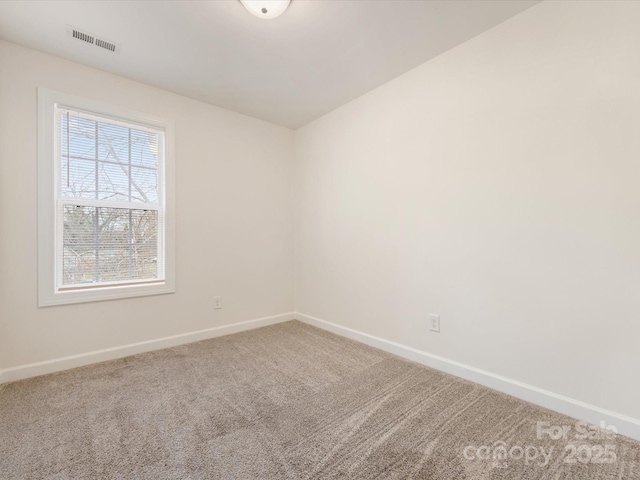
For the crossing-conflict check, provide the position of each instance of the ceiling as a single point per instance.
(290, 70)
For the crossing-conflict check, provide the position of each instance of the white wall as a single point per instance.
(234, 218)
(498, 186)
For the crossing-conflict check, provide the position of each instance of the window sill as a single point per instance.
(104, 293)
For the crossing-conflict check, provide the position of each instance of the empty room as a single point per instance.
(320, 239)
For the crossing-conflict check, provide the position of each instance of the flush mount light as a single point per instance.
(266, 8)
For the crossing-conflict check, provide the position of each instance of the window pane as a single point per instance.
(79, 253)
(79, 225)
(144, 263)
(113, 182)
(144, 149)
(78, 178)
(78, 265)
(113, 143)
(144, 183)
(81, 135)
(114, 263)
(113, 226)
(144, 226)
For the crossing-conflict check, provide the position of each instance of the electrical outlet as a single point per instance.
(217, 303)
(434, 323)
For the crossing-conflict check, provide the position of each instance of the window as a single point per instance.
(105, 201)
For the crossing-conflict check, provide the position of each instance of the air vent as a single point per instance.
(85, 37)
(106, 45)
(92, 39)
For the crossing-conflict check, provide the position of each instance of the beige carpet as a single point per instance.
(285, 402)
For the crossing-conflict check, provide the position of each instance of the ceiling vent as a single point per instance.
(92, 39)
(106, 45)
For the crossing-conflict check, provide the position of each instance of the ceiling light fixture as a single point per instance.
(266, 8)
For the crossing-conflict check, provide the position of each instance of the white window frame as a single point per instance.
(48, 231)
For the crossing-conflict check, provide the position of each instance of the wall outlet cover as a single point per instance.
(434, 323)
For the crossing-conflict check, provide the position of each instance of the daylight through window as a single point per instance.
(109, 205)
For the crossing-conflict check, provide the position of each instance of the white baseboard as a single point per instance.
(625, 425)
(65, 363)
